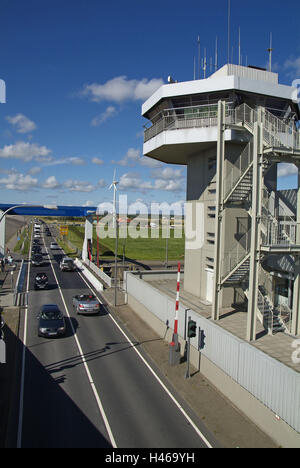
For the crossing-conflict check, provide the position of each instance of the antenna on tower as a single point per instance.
(198, 41)
(114, 186)
(239, 46)
(204, 64)
(194, 67)
(228, 38)
(216, 54)
(270, 50)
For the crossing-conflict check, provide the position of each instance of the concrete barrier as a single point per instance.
(89, 276)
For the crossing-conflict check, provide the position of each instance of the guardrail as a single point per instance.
(276, 132)
(188, 117)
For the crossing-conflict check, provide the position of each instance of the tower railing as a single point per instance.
(201, 116)
(276, 132)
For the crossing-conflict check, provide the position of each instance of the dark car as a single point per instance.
(51, 321)
(86, 304)
(37, 259)
(36, 249)
(41, 281)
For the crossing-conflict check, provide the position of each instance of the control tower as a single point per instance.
(231, 130)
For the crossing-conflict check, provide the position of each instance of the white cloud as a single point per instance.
(149, 162)
(168, 173)
(133, 181)
(133, 157)
(35, 170)
(169, 185)
(75, 161)
(89, 203)
(102, 183)
(21, 123)
(109, 112)
(26, 151)
(78, 186)
(286, 169)
(51, 183)
(19, 181)
(130, 159)
(97, 161)
(293, 64)
(121, 89)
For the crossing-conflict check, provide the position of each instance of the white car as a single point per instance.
(54, 246)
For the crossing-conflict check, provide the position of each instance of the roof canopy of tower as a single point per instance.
(222, 84)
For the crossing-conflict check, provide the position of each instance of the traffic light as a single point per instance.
(192, 327)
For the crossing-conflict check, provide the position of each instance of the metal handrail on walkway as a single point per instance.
(188, 117)
(275, 131)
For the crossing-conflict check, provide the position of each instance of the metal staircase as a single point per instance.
(237, 190)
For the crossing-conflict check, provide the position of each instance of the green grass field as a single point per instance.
(141, 248)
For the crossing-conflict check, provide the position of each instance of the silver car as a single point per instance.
(67, 264)
(86, 304)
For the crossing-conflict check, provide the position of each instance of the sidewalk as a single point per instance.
(230, 427)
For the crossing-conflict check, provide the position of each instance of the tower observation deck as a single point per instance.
(231, 130)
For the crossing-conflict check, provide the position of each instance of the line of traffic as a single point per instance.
(94, 383)
(82, 357)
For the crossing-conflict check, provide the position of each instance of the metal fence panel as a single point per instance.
(271, 382)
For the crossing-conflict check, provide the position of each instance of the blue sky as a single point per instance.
(77, 73)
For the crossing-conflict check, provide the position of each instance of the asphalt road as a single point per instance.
(93, 387)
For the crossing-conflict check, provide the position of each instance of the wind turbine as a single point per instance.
(114, 186)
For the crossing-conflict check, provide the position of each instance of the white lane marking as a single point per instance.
(24, 341)
(195, 427)
(98, 400)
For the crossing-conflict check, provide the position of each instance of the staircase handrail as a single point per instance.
(236, 255)
(238, 168)
(275, 131)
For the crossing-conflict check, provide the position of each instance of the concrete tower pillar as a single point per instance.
(257, 182)
(219, 210)
(88, 237)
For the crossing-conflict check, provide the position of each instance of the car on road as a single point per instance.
(67, 264)
(86, 304)
(41, 281)
(36, 249)
(2, 323)
(37, 259)
(54, 246)
(51, 321)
